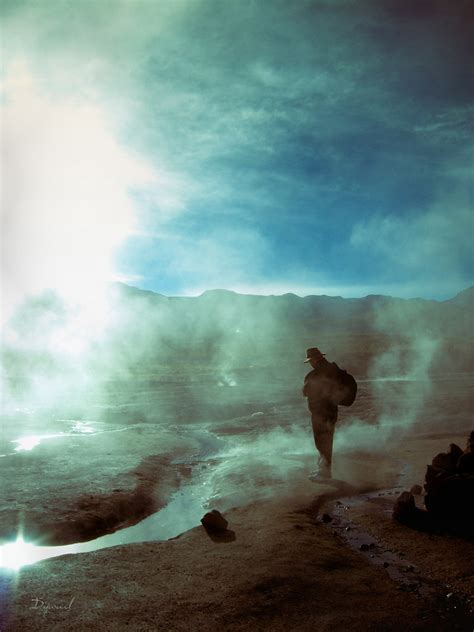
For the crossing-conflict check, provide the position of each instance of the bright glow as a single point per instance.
(82, 427)
(66, 196)
(31, 441)
(27, 443)
(17, 554)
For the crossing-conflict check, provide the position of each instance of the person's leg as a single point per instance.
(323, 431)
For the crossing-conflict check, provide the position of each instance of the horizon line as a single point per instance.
(302, 296)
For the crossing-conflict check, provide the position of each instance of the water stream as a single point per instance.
(183, 512)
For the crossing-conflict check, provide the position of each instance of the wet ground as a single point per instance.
(402, 570)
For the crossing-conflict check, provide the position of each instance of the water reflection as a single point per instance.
(182, 513)
(28, 442)
(25, 444)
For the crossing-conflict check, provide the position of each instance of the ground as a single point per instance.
(280, 567)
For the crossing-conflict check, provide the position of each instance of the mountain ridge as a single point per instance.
(464, 295)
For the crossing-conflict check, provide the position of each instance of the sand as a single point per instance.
(278, 568)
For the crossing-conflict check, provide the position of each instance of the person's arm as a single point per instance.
(309, 383)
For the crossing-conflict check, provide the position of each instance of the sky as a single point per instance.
(262, 146)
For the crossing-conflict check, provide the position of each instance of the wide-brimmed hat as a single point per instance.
(314, 354)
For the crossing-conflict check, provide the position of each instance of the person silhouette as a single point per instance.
(322, 389)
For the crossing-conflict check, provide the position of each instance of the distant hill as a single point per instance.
(222, 337)
(222, 326)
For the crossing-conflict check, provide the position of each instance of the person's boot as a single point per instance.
(323, 471)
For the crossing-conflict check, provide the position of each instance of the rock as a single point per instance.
(364, 547)
(466, 463)
(444, 462)
(449, 485)
(326, 518)
(404, 509)
(450, 497)
(416, 490)
(214, 521)
(454, 452)
(470, 443)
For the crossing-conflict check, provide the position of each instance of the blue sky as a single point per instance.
(308, 146)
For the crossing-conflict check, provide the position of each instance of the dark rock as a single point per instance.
(214, 521)
(364, 547)
(326, 518)
(404, 509)
(444, 462)
(466, 463)
(454, 452)
(386, 564)
(416, 490)
(470, 443)
(449, 484)
(450, 497)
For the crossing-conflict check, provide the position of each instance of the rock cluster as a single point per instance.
(449, 482)
(449, 491)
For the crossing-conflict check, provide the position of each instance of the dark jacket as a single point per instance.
(320, 385)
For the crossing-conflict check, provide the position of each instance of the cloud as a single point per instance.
(434, 246)
(213, 258)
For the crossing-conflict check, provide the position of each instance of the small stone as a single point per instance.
(214, 521)
(348, 528)
(404, 509)
(416, 490)
(364, 547)
(449, 595)
(326, 518)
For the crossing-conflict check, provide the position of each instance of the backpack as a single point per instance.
(347, 388)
